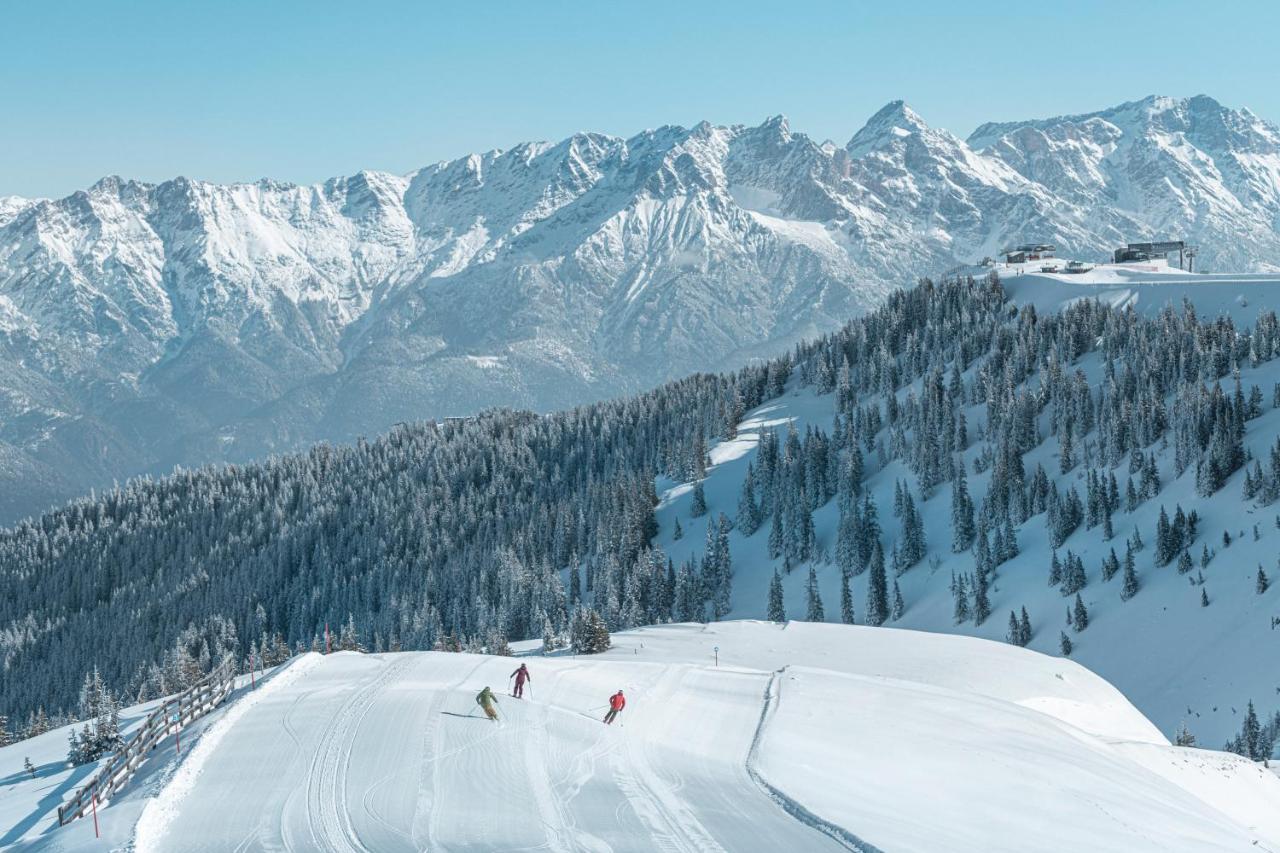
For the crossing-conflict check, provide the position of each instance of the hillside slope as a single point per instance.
(804, 736)
(1176, 660)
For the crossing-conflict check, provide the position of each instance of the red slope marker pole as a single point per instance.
(96, 834)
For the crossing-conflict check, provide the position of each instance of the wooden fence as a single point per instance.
(171, 716)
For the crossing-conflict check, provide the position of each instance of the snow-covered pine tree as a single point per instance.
(777, 610)
(349, 637)
(1079, 615)
(776, 532)
(913, 540)
(698, 506)
(1074, 578)
(899, 606)
(1262, 583)
(1110, 565)
(846, 599)
(813, 599)
(1204, 598)
(1014, 634)
(961, 516)
(1064, 644)
(1184, 737)
(877, 588)
(981, 597)
(1024, 628)
(748, 513)
(589, 635)
(960, 596)
(1250, 739)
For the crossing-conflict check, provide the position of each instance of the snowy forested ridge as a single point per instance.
(1098, 477)
(143, 326)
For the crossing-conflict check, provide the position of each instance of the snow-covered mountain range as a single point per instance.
(143, 326)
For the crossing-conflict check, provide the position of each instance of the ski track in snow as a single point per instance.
(330, 822)
(772, 696)
(388, 753)
(159, 814)
(809, 737)
(355, 775)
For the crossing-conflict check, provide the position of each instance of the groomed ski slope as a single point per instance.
(805, 737)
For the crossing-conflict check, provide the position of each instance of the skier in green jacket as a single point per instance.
(486, 700)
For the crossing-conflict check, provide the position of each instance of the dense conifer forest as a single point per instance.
(470, 533)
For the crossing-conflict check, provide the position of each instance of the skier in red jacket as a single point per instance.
(521, 675)
(616, 703)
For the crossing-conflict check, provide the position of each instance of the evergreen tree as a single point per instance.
(1263, 583)
(349, 637)
(748, 512)
(899, 606)
(1110, 565)
(1166, 547)
(677, 532)
(1251, 735)
(960, 595)
(846, 599)
(698, 507)
(1014, 634)
(962, 527)
(777, 533)
(981, 599)
(1204, 598)
(1024, 629)
(813, 611)
(877, 588)
(1064, 644)
(1130, 586)
(777, 611)
(913, 539)
(847, 542)
(1080, 615)
(1184, 737)
(589, 635)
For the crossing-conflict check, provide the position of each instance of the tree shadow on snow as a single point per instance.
(48, 804)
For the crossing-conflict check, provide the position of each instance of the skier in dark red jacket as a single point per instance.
(521, 675)
(616, 703)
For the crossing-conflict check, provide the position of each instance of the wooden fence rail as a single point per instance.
(173, 715)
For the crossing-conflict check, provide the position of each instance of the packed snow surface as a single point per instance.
(736, 736)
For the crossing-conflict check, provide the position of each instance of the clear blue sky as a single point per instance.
(232, 90)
